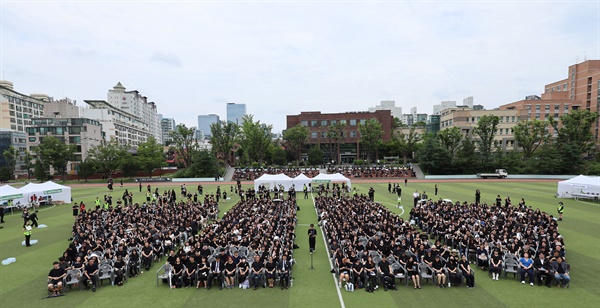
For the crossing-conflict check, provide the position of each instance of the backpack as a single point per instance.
(350, 287)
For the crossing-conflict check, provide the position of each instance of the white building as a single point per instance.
(137, 105)
(437, 109)
(127, 128)
(388, 105)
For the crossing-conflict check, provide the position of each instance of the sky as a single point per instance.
(284, 57)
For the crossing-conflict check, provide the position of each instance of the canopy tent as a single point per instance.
(579, 185)
(331, 178)
(272, 180)
(8, 192)
(56, 191)
(300, 180)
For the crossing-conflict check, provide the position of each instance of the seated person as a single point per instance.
(55, 279)
(229, 273)
(561, 273)
(270, 268)
(203, 269)
(496, 265)
(283, 270)
(119, 268)
(90, 272)
(357, 273)
(466, 271)
(526, 267)
(453, 271)
(438, 268)
(243, 268)
(542, 268)
(190, 271)
(177, 273)
(344, 268)
(387, 274)
(256, 273)
(216, 270)
(482, 258)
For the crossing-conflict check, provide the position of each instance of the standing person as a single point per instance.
(436, 189)
(27, 232)
(140, 186)
(305, 189)
(405, 181)
(75, 210)
(416, 197)
(389, 187)
(312, 238)
(399, 190)
(560, 210)
(477, 197)
(498, 201)
(121, 183)
(1, 214)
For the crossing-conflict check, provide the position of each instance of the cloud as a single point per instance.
(167, 58)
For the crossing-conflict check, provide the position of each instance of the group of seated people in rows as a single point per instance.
(129, 239)
(373, 172)
(248, 174)
(498, 237)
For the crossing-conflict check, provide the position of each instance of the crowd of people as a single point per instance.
(373, 172)
(371, 246)
(248, 174)
(130, 238)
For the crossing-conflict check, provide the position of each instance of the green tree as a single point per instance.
(484, 136)
(295, 138)
(5, 174)
(450, 139)
(466, 159)
(40, 171)
(130, 165)
(57, 154)
(184, 143)
(11, 157)
(370, 137)
(28, 163)
(204, 165)
(255, 139)
(86, 169)
(530, 134)
(574, 137)
(150, 155)
(278, 156)
(224, 136)
(107, 156)
(406, 143)
(397, 123)
(433, 156)
(335, 134)
(315, 156)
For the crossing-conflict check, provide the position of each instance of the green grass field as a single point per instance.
(22, 284)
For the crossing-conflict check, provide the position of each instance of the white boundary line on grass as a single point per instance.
(328, 256)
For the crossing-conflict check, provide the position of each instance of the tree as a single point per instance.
(150, 155)
(11, 157)
(433, 157)
(370, 137)
(574, 137)
(278, 156)
(204, 165)
(224, 136)
(86, 169)
(485, 133)
(335, 134)
(5, 174)
(130, 165)
(406, 143)
(295, 138)
(40, 170)
(450, 139)
(184, 143)
(466, 159)
(315, 156)
(107, 156)
(256, 139)
(55, 153)
(28, 163)
(529, 135)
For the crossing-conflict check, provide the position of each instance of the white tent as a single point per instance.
(8, 192)
(579, 185)
(271, 180)
(331, 178)
(300, 180)
(56, 191)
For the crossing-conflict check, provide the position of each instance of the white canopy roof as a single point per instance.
(57, 191)
(8, 192)
(581, 184)
(300, 180)
(336, 177)
(271, 180)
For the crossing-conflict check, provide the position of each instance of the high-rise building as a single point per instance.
(116, 123)
(137, 105)
(437, 109)
(235, 113)
(388, 105)
(204, 123)
(17, 109)
(167, 125)
(18, 141)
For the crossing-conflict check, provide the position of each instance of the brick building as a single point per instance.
(319, 124)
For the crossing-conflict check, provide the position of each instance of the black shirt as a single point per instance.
(257, 266)
(90, 269)
(56, 272)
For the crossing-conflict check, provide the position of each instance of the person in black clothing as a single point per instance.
(134, 262)
(466, 271)
(498, 201)
(243, 268)
(229, 273)
(75, 210)
(542, 268)
(357, 273)
(438, 268)
(386, 274)
(147, 255)
(177, 273)
(283, 269)
(216, 270)
(270, 268)
(413, 272)
(256, 274)
(190, 271)
(140, 186)
(33, 218)
(119, 268)
(1, 214)
(477, 197)
(496, 265)
(90, 272)
(203, 269)
(56, 276)
(312, 238)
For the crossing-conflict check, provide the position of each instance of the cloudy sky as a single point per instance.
(284, 57)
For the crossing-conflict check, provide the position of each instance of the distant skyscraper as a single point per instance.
(235, 113)
(204, 122)
(167, 125)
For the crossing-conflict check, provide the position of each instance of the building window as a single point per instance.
(323, 134)
(304, 123)
(501, 119)
(352, 122)
(556, 107)
(343, 122)
(323, 122)
(32, 139)
(537, 107)
(352, 134)
(566, 108)
(313, 135)
(547, 108)
(333, 122)
(313, 123)
(363, 121)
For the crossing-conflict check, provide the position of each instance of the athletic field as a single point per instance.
(23, 283)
